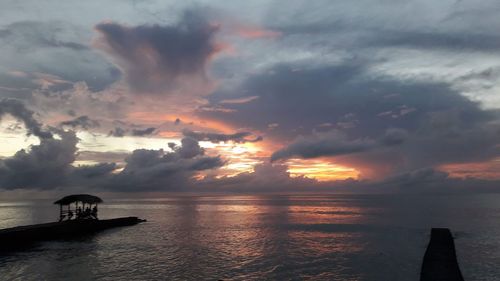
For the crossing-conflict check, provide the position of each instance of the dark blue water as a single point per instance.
(271, 237)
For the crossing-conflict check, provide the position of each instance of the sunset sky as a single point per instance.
(249, 96)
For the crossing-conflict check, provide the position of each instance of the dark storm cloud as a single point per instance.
(49, 164)
(83, 122)
(43, 166)
(94, 171)
(18, 110)
(240, 137)
(121, 132)
(159, 170)
(189, 148)
(394, 136)
(143, 132)
(428, 180)
(416, 178)
(327, 94)
(334, 143)
(156, 57)
(326, 144)
(437, 125)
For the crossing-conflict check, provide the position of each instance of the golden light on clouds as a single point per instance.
(240, 157)
(320, 170)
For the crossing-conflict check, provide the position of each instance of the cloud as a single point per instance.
(240, 100)
(265, 177)
(83, 122)
(158, 58)
(54, 49)
(117, 132)
(442, 126)
(18, 110)
(323, 144)
(49, 165)
(30, 35)
(143, 132)
(159, 170)
(457, 41)
(189, 148)
(103, 105)
(240, 137)
(94, 171)
(417, 178)
(394, 136)
(117, 156)
(43, 166)
(375, 90)
(121, 132)
(335, 143)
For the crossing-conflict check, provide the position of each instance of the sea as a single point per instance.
(262, 237)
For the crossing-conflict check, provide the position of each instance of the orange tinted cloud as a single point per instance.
(254, 32)
(483, 170)
(152, 117)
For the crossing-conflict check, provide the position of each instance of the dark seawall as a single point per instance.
(440, 259)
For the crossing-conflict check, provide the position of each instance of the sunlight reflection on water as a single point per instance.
(327, 237)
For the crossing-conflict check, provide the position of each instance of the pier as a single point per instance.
(77, 217)
(25, 236)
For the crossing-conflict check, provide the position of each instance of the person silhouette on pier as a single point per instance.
(86, 214)
(79, 213)
(94, 212)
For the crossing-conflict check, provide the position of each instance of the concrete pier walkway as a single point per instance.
(24, 236)
(440, 259)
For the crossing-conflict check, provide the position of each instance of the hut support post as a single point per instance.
(60, 212)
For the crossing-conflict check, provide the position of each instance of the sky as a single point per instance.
(249, 96)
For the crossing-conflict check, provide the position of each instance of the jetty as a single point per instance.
(73, 222)
(440, 259)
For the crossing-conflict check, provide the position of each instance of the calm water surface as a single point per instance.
(272, 237)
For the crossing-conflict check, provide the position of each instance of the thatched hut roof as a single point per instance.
(84, 198)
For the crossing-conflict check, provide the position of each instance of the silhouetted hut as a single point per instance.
(69, 226)
(85, 206)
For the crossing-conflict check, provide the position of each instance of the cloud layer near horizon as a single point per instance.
(48, 166)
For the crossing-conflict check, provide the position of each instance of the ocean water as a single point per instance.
(268, 237)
